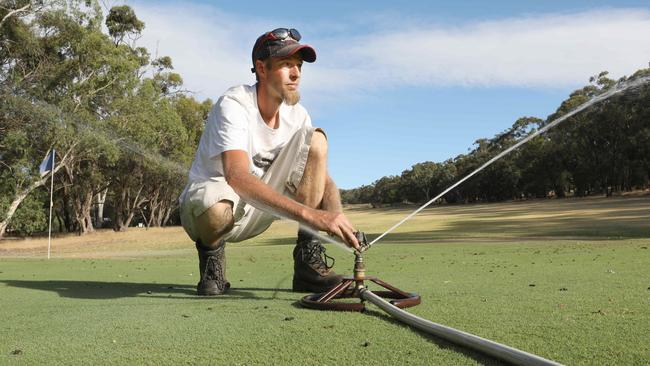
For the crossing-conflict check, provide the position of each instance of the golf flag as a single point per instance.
(48, 163)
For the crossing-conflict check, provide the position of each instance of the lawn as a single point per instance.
(568, 280)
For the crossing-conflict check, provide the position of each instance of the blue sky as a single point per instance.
(396, 84)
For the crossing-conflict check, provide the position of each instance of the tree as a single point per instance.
(418, 182)
(17, 9)
(141, 174)
(60, 61)
(28, 133)
(122, 22)
(386, 190)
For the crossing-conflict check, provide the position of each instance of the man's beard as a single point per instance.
(291, 97)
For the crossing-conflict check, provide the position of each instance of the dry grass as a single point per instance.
(103, 243)
(585, 218)
(625, 216)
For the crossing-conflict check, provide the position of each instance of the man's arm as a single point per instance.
(260, 195)
(331, 197)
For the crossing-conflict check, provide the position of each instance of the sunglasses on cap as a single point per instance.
(279, 42)
(280, 34)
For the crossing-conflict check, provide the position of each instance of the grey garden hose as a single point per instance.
(458, 337)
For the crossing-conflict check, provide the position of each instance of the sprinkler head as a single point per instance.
(363, 241)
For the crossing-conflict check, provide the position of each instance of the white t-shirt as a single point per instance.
(235, 123)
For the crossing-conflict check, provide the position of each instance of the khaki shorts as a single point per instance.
(284, 176)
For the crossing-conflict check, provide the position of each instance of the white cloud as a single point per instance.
(545, 51)
(211, 50)
(208, 47)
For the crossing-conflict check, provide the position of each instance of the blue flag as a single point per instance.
(47, 164)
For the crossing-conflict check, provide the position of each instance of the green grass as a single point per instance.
(577, 293)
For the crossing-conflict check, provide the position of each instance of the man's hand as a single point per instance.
(335, 223)
(260, 195)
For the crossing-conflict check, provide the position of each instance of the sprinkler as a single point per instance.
(352, 287)
(355, 288)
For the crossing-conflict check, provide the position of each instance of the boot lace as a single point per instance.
(214, 268)
(314, 254)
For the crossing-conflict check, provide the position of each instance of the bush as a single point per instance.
(31, 216)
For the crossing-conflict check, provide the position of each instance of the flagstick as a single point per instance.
(49, 235)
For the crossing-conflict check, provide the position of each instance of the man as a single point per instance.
(259, 157)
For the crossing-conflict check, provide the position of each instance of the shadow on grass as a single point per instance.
(116, 290)
(620, 218)
(433, 237)
(512, 230)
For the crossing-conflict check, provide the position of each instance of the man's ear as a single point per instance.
(260, 67)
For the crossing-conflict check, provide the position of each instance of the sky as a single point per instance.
(398, 83)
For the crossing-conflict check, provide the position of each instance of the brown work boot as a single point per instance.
(311, 273)
(212, 267)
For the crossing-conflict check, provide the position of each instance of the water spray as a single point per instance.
(354, 286)
(620, 87)
(310, 230)
(168, 164)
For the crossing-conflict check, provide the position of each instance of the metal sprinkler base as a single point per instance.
(351, 288)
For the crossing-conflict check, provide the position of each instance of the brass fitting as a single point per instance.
(359, 268)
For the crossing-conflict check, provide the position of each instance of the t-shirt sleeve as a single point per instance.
(228, 124)
(307, 120)
(302, 115)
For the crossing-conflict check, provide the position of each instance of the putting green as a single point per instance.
(577, 299)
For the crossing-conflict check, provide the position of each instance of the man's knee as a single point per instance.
(215, 222)
(318, 145)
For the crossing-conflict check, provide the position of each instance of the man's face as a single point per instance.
(283, 78)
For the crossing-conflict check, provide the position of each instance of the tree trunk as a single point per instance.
(129, 218)
(126, 207)
(21, 195)
(60, 221)
(118, 225)
(168, 214)
(18, 199)
(101, 201)
(155, 204)
(83, 203)
(86, 212)
(160, 215)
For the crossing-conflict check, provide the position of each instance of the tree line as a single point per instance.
(124, 129)
(602, 150)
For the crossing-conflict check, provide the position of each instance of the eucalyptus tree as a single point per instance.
(417, 182)
(123, 24)
(20, 153)
(59, 59)
(386, 190)
(93, 73)
(150, 173)
(27, 129)
(168, 180)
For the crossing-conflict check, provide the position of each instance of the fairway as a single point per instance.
(568, 280)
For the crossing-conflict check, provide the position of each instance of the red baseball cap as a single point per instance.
(279, 43)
